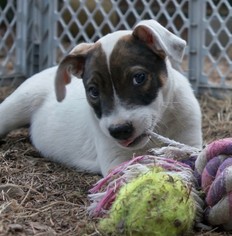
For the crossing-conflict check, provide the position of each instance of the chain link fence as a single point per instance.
(36, 34)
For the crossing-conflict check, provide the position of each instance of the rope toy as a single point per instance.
(158, 194)
(214, 172)
(145, 195)
(150, 193)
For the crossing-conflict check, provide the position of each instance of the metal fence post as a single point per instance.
(41, 33)
(48, 33)
(33, 30)
(196, 41)
(21, 36)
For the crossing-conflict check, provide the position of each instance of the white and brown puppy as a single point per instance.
(128, 87)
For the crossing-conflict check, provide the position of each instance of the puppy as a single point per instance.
(128, 88)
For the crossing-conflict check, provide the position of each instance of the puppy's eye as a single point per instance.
(93, 92)
(139, 78)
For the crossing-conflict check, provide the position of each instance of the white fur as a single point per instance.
(70, 133)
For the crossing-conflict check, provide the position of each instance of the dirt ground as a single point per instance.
(38, 197)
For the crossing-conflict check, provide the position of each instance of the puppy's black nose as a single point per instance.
(121, 131)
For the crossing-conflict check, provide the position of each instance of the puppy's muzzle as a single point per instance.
(121, 131)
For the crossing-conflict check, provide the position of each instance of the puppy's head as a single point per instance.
(125, 77)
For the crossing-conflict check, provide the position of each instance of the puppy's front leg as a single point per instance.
(109, 155)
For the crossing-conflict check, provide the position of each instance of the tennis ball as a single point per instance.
(155, 203)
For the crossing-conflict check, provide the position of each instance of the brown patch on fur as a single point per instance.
(96, 74)
(129, 57)
(74, 63)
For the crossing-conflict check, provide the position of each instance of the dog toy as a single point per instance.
(214, 171)
(148, 195)
(153, 202)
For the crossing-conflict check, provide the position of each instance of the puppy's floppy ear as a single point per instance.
(160, 40)
(72, 64)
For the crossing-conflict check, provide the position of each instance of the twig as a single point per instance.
(28, 192)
